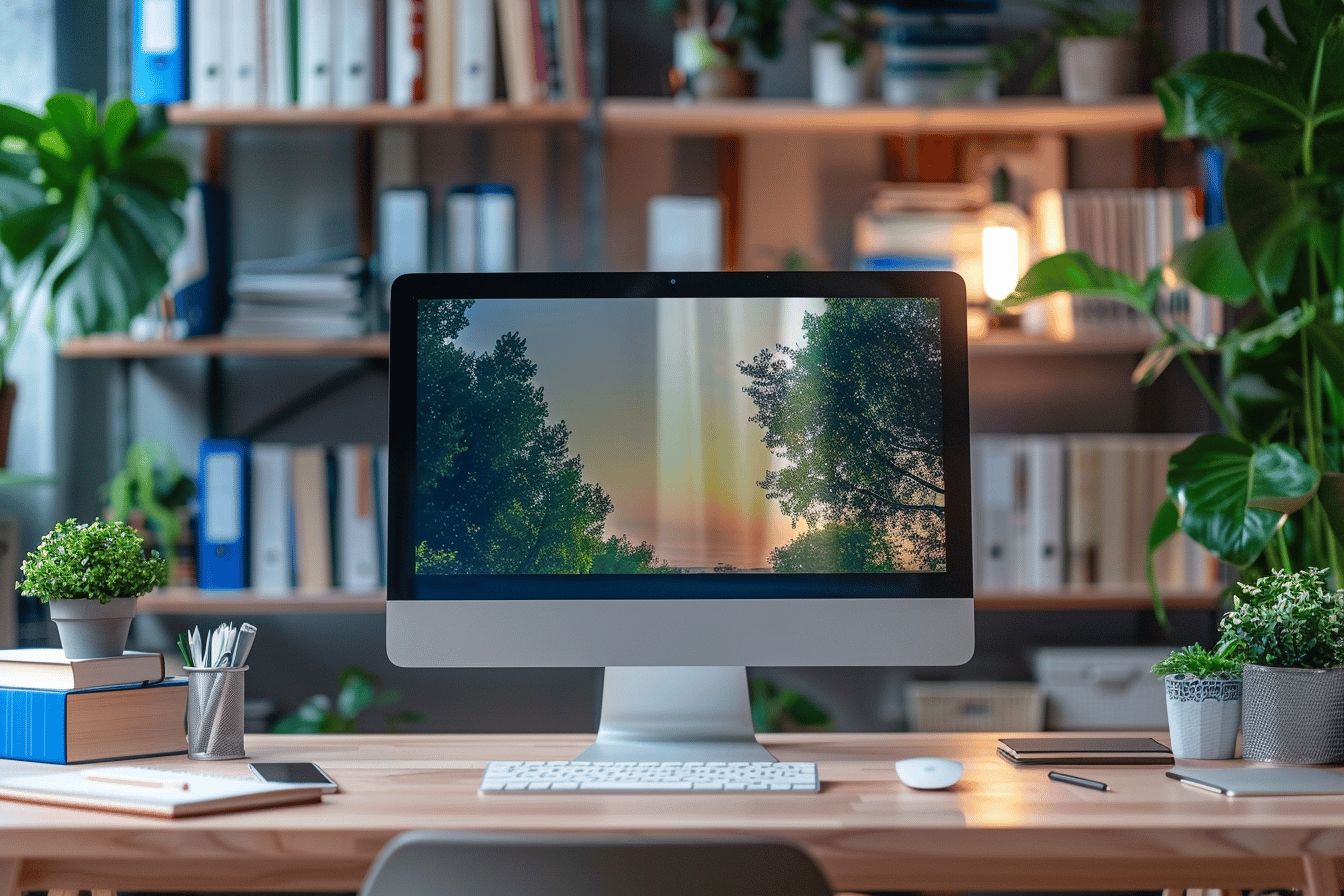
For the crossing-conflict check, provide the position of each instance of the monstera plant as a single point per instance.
(89, 217)
(1267, 491)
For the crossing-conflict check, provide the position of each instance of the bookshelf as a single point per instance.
(375, 345)
(1010, 115)
(194, 602)
(376, 114)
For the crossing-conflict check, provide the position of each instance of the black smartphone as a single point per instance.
(293, 773)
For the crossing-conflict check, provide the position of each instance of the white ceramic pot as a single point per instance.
(1092, 69)
(1203, 716)
(834, 83)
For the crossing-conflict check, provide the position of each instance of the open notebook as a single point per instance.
(153, 791)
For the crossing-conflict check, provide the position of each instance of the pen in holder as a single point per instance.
(215, 712)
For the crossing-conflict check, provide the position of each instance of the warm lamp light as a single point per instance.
(1001, 250)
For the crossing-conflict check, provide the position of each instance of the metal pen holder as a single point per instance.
(215, 712)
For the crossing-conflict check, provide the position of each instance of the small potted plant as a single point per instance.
(1094, 51)
(1203, 700)
(712, 40)
(90, 575)
(838, 52)
(151, 492)
(1289, 628)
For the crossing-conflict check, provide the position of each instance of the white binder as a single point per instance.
(316, 44)
(354, 53)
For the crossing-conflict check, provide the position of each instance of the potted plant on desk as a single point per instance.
(90, 574)
(1289, 629)
(1203, 701)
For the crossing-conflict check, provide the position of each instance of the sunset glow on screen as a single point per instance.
(687, 435)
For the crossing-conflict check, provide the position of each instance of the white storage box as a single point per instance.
(1090, 688)
(974, 706)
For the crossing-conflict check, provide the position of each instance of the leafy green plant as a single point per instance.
(776, 709)
(758, 23)
(1199, 662)
(1268, 492)
(151, 482)
(89, 215)
(1292, 620)
(357, 692)
(101, 560)
(851, 25)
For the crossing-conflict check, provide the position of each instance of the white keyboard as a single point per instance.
(645, 777)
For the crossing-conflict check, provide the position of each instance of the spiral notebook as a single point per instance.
(153, 791)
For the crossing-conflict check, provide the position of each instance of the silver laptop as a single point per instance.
(1273, 781)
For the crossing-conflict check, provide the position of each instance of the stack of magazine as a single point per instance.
(318, 296)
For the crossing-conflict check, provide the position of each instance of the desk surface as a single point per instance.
(1002, 827)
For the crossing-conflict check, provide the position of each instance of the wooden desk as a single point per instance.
(1002, 828)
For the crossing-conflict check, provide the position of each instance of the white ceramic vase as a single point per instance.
(835, 83)
(1093, 69)
(1203, 716)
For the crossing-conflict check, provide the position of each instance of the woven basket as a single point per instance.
(1293, 715)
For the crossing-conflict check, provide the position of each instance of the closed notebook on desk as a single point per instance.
(1084, 751)
(93, 725)
(176, 795)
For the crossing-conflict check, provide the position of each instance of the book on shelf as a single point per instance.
(316, 295)
(1130, 230)
(349, 53)
(93, 724)
(1073, 511)
(317, 518)
(481, 228)
(48, 669)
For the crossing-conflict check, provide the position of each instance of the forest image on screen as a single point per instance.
(672, 436)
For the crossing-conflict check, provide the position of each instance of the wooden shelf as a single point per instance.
(1011, 115)
(191, 601)
(1001, 343)
(123, 347)
(376, 114)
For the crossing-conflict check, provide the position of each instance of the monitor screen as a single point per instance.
(761, 438)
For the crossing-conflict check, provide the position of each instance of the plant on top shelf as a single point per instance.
(710, 49)
(1267, 492)
(89, 217)
(357, 693)
(843, 32)
(90, 575)
(1288, 628)
(151, 490)
(1090, 47)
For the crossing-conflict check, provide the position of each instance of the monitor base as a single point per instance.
(675, 714)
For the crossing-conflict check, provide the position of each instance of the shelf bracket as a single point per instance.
(314, 394)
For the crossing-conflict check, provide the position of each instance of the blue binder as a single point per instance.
(159, 51)
(222, 561)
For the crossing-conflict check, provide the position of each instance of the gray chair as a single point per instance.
(434, 863)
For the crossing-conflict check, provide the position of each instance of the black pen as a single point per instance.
(1078, 782)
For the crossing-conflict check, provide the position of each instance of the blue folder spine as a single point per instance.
(159, 51)
(222, 538)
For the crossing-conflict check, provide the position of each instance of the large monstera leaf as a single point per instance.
(1232, 497)
(88, 202)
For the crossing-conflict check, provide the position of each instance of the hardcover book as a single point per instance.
(93, 725)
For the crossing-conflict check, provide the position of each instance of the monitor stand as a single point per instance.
(675, 714)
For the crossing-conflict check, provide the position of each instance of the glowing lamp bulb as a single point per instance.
(1001, 259)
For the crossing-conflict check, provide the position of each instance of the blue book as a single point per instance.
(93, 725)
(159, 51)
(201, 264)
(222, 483)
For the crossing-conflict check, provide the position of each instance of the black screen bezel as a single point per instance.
(410, 290)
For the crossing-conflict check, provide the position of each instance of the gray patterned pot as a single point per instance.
(1203, 715)
(1293, 715)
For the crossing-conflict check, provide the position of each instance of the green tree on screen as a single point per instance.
(854, 415)
(497, 489)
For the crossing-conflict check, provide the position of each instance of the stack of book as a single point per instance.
(1074, 511)
(922, 227)
(1130, 230)
(310, 518)
(305, 296)
(54, 709)
(316, 53)
(938, 52)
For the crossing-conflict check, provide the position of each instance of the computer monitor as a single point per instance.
(676, 476)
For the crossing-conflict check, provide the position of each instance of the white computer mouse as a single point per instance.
(928, 772)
